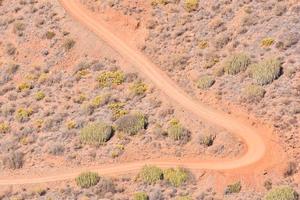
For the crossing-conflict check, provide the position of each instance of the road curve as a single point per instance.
(256, 147)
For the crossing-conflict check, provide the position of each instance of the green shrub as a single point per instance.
(151, 174)
(69, 44)
(234, 188)
(266, 42)
(281, 193)
(205, 82)
(266, 71)
(191, 5)
(118, 109)
(97, 101)
(158, 2)
(131, 123)
(23, 114)
(140, 196)
(184, 198)
(24, 87)
(176, 177)
(110, 78)
(87, 179)
(253, 92)
(40, 96)
(138, 88)
(175, 130)
(4, 127)
(237, 63)
(96, 133)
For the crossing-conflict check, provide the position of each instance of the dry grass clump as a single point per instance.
(237, 63)
(87, 179)
(205, 82)
(131, 123)
(96, 133)
(253, 92)
(266, 71)
(110, 78)
(281, 193)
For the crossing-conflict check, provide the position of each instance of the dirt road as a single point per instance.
(251, 136)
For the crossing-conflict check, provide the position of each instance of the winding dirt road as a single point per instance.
(251, 136)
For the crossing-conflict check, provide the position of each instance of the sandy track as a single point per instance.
(251, 136)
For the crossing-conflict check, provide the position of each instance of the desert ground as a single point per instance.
(149, 100)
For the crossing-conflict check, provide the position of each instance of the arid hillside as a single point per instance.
(79, 120)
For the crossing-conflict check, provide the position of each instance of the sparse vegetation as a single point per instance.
(237, 63)
(110, 78)
(96, 133)
(87, 179)
(131, 123)
(151, 174)
(281, 193)
(140, 196)
(176, 177)
(205, 82)
(266, 71)
(14, 160)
